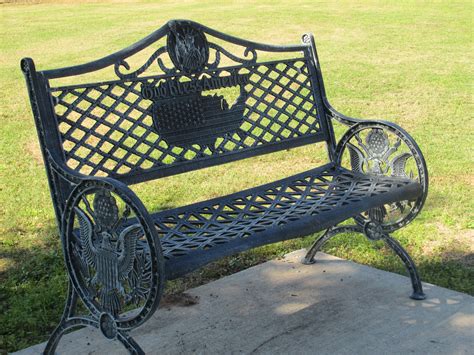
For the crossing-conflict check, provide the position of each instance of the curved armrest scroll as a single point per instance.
(345, 120)
(114, 260)
(385, 149)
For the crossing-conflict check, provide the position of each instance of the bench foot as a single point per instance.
(69, 310)
(372, 231)
(130, 344)
(69, 321)
(418, 293)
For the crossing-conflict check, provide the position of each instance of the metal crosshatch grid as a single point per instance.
(306, 197)
(107, 129)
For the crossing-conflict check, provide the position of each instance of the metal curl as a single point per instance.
(249, 57)
(148, 63)
(235, 58)
(165, 69)
(121, 63)
(216, 61)
(306, 38)
(253, 51)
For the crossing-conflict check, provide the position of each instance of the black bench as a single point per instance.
(203, 98)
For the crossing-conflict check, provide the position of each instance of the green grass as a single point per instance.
(408, 62)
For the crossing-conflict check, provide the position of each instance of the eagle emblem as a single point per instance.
(187, 47)
(375, 156)
(107, 249)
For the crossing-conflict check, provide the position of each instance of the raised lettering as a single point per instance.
(170, 88)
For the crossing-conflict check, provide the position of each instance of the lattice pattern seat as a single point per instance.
(299, 205)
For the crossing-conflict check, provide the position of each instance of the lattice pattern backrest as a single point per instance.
(186, 115)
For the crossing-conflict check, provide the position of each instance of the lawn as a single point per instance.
(408, 62)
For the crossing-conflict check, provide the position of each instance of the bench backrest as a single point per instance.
(207, 104)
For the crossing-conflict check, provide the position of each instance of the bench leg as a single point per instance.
(130, 344)
(69, 310)
(328, 234)
(372, 231)
(418, 293)
(70, 320)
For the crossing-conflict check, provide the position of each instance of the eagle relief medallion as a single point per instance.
(187, 47)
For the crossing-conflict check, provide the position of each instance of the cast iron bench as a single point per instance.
(203, 98)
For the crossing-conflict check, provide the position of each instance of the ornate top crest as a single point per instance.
(187, 47)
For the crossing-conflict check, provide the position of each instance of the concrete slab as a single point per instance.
(283, 307)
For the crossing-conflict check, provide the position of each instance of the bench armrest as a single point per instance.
(76, 179)
(341, 118)
(111, 247)
(383, 148)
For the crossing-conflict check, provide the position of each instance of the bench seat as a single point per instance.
(197, 234)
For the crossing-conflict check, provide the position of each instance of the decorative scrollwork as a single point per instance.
(250, 56)
(155, 56)
(384, 149)
(188, 49)
(306, 38)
